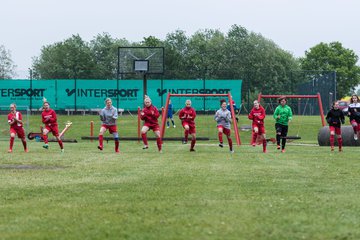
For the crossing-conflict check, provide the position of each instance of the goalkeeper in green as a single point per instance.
(282, 116)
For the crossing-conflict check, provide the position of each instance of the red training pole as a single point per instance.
(138, 125)
(91, 129)
(321, 110)
(164, 115)
(237, 136)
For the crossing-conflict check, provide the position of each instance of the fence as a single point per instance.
(127, 92)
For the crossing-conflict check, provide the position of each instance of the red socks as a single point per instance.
(144, 138)
(116, 145)
(264, 145)
(11, 142)
(46, 141)
(340, 142)
(101, 139)
(24, 143)
(230, 143)
(186, 135)
(61, 144)
(220, 135)
(158, 142)
(254, 137)
(332, 140)
(193, 141)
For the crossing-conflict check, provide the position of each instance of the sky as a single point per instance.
(294, 25)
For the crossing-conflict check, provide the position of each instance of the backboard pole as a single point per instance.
(144, 85)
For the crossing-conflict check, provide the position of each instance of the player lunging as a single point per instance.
(335, 117)
(257, 115)
(150, 115)
(187, 116)
(223, 120)
(50, 120)
(16, 127)
(108, 117)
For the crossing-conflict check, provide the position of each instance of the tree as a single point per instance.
(7, 68)
(259, 61)
(104, 50)
(176, 45)
(334, 57)
(70, 59)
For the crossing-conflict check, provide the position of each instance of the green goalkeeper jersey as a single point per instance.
(285, 114)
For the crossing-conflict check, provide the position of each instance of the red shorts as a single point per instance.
(154, 127)
(358, 125)
(226, 131)
(261, 128)
(19, 131)
(112, 128)
(53, 128)
(336, 129)
(192, 128)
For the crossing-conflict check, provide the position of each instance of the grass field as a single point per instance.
(306, 193)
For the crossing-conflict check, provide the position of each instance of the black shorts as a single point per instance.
(283, 129)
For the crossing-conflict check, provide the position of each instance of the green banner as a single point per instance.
(126, 94)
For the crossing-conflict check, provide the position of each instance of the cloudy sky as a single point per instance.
(295, 25)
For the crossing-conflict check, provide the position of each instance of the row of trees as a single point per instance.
(207, 54)
(7, 67)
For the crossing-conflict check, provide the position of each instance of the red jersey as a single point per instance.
(15, 124)
(150, 115)
(49, 117)
(188, 115)
(257, 115)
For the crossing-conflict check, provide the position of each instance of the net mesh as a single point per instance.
(128, 56)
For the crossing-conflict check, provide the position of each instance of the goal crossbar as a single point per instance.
(317, 96)
(164, 115)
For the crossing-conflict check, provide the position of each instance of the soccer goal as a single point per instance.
(301, 104)
(210, 113)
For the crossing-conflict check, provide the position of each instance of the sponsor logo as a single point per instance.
(21, 92)
(101, 93)
(194, 91)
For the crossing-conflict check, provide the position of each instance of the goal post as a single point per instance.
(228, 95)
(317, 96)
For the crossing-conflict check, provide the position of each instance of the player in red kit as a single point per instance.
(16, 127)
(150, 114)
(50, 120)
(257, 115)
(187, 116)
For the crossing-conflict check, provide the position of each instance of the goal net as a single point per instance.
(301, 105)
(205, 123)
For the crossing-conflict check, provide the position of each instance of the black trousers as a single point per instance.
(281, 133)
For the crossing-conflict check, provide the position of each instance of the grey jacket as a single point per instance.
(108, 116)
(223, 118)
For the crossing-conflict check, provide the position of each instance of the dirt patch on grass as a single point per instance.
(29, 167)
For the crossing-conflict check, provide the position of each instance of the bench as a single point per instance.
(97, 110)
(72, 110)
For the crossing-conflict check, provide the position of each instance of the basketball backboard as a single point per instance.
(147, 60)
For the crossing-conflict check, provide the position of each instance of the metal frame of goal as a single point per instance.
(228, 95)
(317, 96)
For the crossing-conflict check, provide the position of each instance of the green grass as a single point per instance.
(306, 193)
